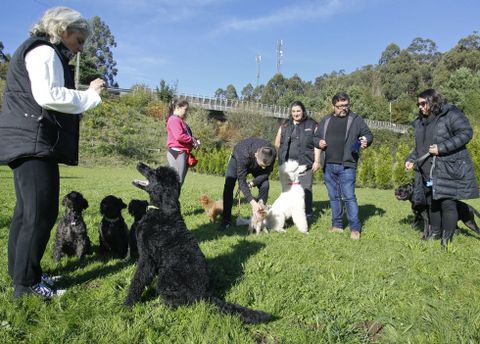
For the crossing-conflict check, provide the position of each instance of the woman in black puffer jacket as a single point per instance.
(444, 169)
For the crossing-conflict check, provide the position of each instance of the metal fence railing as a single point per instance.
(219, 104)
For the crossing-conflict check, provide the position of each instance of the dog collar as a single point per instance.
(294, 183)
(111, 220)
(152, 207)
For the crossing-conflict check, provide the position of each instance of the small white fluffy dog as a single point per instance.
(291, 202)
(257, 223)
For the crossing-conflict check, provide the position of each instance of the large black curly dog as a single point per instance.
(169, 251)
(71, 238)
(466, 213)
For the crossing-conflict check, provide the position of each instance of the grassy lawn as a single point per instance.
(322, 288)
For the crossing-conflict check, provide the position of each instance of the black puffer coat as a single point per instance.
(453, 175)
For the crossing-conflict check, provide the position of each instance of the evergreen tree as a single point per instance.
(383, 169)
(97, 54)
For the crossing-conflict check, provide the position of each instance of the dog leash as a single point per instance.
(422, 158)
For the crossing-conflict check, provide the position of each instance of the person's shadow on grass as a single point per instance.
(227, 269)
(365, 211)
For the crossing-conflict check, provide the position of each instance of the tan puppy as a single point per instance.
(212, 208)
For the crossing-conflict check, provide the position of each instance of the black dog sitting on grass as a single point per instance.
(71, 238)
(169, 251)
(137, 209)
(113, 230)
(466, 213)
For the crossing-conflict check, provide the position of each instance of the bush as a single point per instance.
(383, 169)
(366, 169)
(400, 175)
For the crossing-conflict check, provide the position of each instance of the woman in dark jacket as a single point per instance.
(444, 169)
(294, 141)
(39, 128)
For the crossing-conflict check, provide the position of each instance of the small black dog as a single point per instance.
(113, 229)
(466, 213)
(168, 250)
(137, 209)
(71, 238)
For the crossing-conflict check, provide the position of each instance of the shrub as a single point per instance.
(366, 169)
(383, 169)
(400, 175)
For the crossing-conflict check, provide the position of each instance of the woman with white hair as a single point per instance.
(39, 128)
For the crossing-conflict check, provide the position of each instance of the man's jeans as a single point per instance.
(340, 182)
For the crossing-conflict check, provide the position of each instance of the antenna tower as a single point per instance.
(258, 58)
(279, 54)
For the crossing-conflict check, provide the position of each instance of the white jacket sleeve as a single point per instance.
(45, 71)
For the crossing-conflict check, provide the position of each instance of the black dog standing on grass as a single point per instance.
(168, 250)
(71, 238)
(113, 229)
(137, 209)
(466, 213)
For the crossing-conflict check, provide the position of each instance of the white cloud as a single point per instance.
(299, 12)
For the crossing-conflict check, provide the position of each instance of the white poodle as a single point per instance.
(291, 202)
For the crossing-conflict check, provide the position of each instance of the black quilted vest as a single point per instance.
(28, 130)
(307, 129)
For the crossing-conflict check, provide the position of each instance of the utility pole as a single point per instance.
(279, 54)
(258, 58)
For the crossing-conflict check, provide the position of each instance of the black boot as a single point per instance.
(447, 236)
(435, 234)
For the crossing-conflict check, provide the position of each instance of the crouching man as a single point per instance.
(253, 156)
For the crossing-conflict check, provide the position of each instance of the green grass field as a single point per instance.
(321, 288)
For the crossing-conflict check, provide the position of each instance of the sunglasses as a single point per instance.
(345, 106)
(422, 104)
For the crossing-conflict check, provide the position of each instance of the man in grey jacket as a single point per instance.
(340, 136)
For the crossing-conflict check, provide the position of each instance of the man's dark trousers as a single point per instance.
(230, 180)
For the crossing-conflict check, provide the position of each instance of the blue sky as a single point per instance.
(207, 44)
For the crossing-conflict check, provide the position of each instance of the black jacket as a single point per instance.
(356, 127)
(28, 130)
(244, 154)
(307, 129)
(453, 175)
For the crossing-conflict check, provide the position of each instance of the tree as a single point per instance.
(98, 54)
(247, 92)
(220, 93)
(295, 85)
(4, 59)
(166, 92)
(424, 50)
(231, 92)
(400, 76)
(471, 42)
(274, 90)
(391, 51)
(258, 92)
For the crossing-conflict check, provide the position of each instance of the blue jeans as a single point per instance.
(340, 182)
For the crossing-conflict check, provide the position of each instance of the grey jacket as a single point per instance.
(356, 127)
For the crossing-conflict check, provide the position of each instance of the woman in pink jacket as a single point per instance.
(180, 140)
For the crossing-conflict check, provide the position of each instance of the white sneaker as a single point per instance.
(45, 292)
